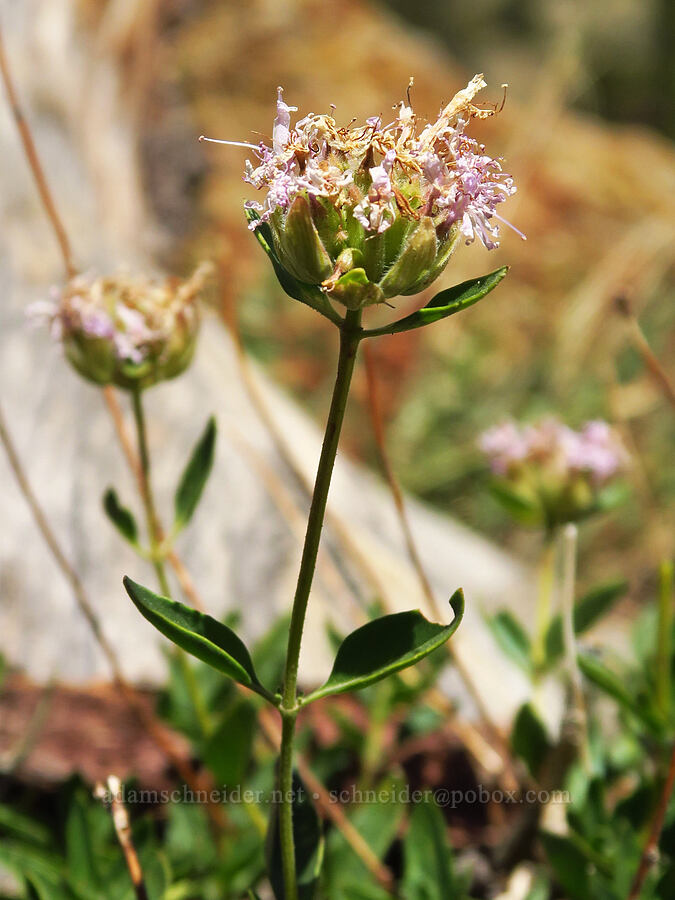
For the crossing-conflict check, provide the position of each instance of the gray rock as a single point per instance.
(242, 549)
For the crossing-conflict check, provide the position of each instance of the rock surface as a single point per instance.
(243, 547)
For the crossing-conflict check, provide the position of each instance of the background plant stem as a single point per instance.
(567, 537)
(350, 336)
(665, 628)
(155, 541)
(146, 492)
(544, 600)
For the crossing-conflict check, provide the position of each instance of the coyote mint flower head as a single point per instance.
(558, 474)
(373, 211)
(126, 331)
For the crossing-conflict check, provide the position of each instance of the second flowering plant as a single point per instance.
(351, 216)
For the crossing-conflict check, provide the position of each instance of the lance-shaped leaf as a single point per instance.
(121, 517)
(385, 646)
(309, 294)
(444, 304)
(512, 639)
(429, 873)
(308, 844)
(198, 634)
(591, 607)
(529, 739)
(614, 686)
(195, 476)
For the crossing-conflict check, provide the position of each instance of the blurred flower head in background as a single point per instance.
(374, 211)
(123, 330)
(552, 473)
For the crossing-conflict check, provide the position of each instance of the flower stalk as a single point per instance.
(159, 549)
(147, 496)
(350, 336)
(578, 719)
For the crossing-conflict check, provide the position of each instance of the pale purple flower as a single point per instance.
(377, 210)
(597, 451)
(137, 315)
(446, 174)
(553, 447)
(97, 323)
(281, 130)
(504, 445)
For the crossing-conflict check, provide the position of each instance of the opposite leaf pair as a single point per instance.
(372, 652)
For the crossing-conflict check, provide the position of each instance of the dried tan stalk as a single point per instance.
(498, 742)
(111, 795)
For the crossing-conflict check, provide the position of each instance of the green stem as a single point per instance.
(577, 717)
(544, 601)
(155, 538)
(350, 335)
(154, 531)
(664, 640)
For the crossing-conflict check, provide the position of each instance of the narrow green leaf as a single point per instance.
(529, 739)
(377, 818)
(269, 653)
(40, 888)
(428, 870)
(591, 607)
(195, 476)
(570, 866)
(615, 687)
(308, 294)
(198, 634)
(27, 861)
(512, 639)
(121, 517)
(23, 826)
(228, 750)
(83, 865)
(385, 646)
(308, 840)
(445, 304)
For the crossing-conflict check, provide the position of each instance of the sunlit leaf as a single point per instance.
(445, 304)
(385, 646)
(198, 634)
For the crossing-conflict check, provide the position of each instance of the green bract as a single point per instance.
(321, 246)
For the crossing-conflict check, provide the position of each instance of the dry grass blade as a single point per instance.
(155, 729)
(641, 344)
(111, 795)
(110, 397)
(397, 494)
(34, 163)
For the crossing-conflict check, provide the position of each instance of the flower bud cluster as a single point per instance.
(373, 211)
(122, 330)
(553, 467)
